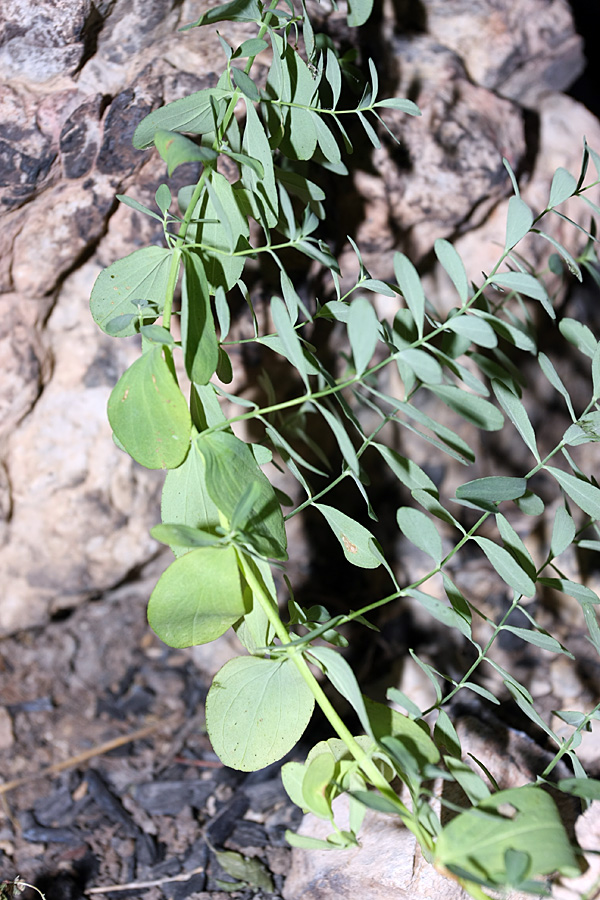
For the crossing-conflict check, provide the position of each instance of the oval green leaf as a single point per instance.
(197, 598)
(149, 414)
(256, 711)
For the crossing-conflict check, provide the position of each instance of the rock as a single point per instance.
(446, 174)
(7, 737)
(520, 49)
(41, 40)
(388, 865)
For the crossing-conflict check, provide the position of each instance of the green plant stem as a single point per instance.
(362, 758)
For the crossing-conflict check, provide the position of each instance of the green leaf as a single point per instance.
(289, 338)
(230, 468)
(524, 283)
(474, 328)
(579, 335)
(581, 787)
(184, 536)
(249, 871)
(260, 187)
(517, 414)
(139, 207)
(148, 412)
(487, 492)
(515, 545)
(472, 784)
(405, 106)
(354, 538)
(185, 498)
(359, 11)
(411, 288)
(318, 776)
(343, 440)
(156, 334)
(197, 598)
(471, 407)
(327, 143)
(563, 532)
(163, 198)
(143, 277)
(217, 236)
(446, 735)
(423, 364)
(538, 639)
(563, 187)
(176, 150)
(477, 840)
(340, 674)
(507, 567)
(245, 84)
(583, 594)
(420, 531)
(584, 494)
(445, 614)
(396, 696)
(235, 11)
(198, 336)
(363, 332)
(556, 381)
(519, 220)
(251, 47)
(405, 470)
(454, 266)
(193, 114)
(571, 263)
(256, 711)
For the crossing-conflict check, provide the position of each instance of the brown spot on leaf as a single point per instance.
(350, 547)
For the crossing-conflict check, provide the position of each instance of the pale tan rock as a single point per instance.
(520, 49)
(7, 737)
(447, 173)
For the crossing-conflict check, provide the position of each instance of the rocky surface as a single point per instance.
(75, 78)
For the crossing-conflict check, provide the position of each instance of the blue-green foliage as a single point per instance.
(223, 519)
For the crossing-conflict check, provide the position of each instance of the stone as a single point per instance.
(520, 49)
(7, 737)
(446, 174)
(41, 40)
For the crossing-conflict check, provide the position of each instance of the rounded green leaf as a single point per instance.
(149, 414)
(256, 711)
(454, 266)
(140, 277)
(197, 598)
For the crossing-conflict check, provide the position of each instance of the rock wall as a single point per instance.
(76, 77)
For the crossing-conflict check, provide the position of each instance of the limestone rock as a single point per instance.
(446, 174)
(520, 49)
(41, 40)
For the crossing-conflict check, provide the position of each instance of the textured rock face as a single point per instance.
(75, 79)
